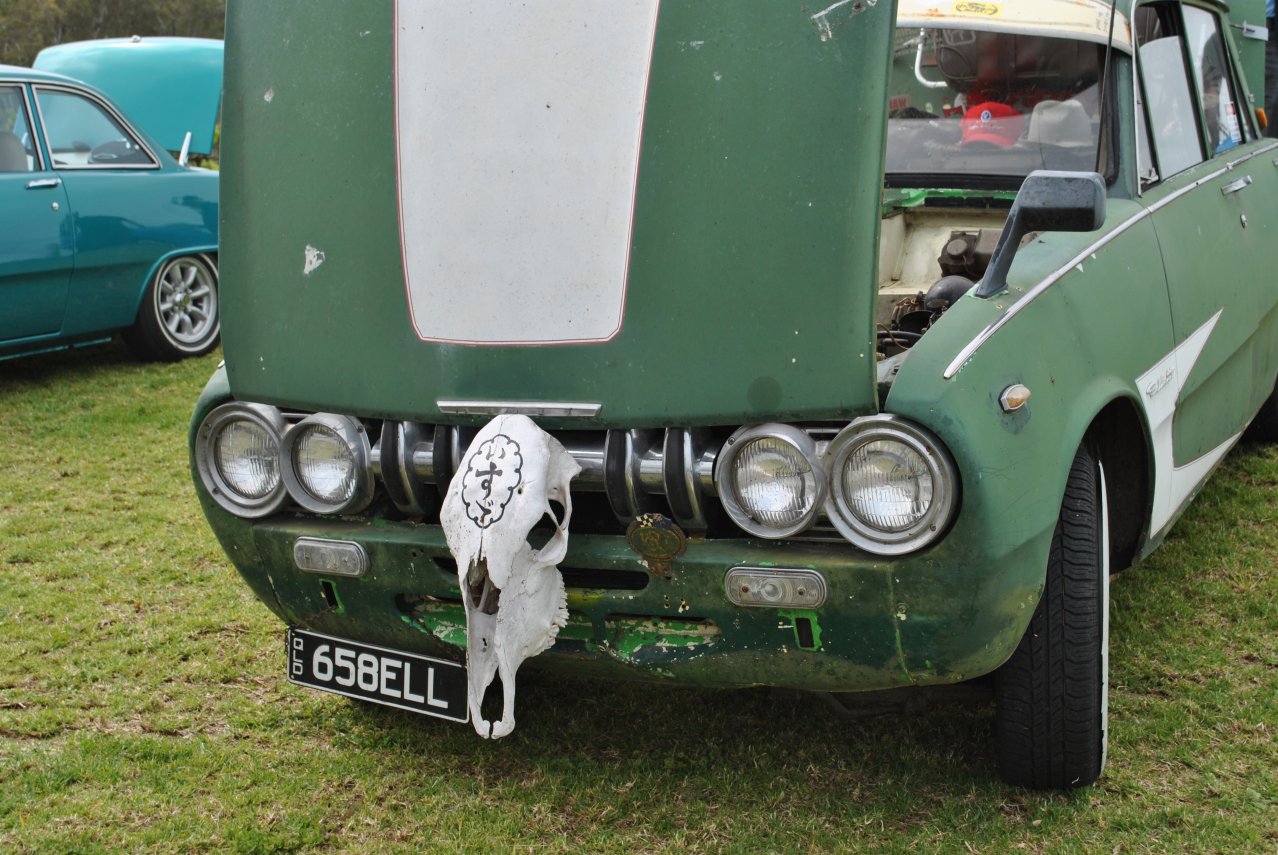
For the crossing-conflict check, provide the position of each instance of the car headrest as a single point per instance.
(13, 156)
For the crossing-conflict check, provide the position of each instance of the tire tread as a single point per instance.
(1049, 721)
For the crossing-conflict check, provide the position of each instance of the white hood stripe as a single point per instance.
(518, 128)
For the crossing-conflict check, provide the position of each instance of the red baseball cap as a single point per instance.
(994, 123)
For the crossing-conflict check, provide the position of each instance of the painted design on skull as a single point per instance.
(493, 472)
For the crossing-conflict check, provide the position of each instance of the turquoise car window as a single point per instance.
(17, 147)
(991, 104)
(82, 133)
(1225, 129)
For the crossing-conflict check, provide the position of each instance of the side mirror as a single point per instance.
(1047, 202)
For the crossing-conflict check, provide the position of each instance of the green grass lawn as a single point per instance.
(143, 704)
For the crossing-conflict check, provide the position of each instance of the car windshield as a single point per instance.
(967, 106)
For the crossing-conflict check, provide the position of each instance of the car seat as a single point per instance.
(13, 155)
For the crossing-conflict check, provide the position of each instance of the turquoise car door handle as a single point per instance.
(44, 183)
(1235, 186)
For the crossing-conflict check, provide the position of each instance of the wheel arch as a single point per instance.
(209, 252)
(1120, 440)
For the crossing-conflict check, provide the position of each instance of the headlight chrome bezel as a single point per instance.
(940, 466)
(725, 482)
(219, 489)
(351, 432)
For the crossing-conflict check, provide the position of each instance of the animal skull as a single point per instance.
(514, 596)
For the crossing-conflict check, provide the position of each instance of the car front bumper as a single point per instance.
(949, 613)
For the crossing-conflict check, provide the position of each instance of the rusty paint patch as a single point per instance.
(630, 636)
(969, 8)
(804, 640)
(822, 18)
(625, 639)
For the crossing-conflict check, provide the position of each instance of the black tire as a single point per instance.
(181, 314)
(1052, 695)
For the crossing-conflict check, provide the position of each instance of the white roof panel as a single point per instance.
(1087, 20)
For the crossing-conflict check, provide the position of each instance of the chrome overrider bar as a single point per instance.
(667, 470)
(888, 486)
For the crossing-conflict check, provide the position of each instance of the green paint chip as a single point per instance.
(806, 626)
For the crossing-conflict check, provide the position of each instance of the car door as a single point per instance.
(36, 251)
(116, 186)
(1210, 190)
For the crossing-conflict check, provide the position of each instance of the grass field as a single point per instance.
(143, 704)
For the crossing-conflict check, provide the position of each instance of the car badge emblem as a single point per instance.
(658, 541)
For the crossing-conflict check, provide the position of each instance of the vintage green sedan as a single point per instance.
(877, 336)
(103, 229)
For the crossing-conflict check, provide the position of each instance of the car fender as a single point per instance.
(1077, 355)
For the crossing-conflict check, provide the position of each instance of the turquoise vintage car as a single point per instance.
(880, 334)
(170, 85)
(104, 230)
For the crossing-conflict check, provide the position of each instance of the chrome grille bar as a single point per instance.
(641, 471)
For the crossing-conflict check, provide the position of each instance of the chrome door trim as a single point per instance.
(105, 105)
(1032, 294)
(1235, 185)
(25, 89)
(527, 408)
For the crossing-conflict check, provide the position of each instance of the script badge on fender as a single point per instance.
(658, 541)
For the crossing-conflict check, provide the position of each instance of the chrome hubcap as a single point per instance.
(187, 302)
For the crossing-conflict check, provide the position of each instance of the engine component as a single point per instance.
(943, 293)
(967, 254)
(914, 315)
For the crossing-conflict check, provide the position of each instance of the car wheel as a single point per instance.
(1052, 695)
(180, 315)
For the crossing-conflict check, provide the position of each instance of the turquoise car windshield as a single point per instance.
(968, 104)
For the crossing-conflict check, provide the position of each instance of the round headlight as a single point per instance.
(894, 487)
(770, 481)
(326, 464)
(247, 456)
(238, 458)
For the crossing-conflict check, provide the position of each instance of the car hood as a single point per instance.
(168, 86)
(693, 242)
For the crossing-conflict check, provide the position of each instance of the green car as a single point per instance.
(843, 349)
(104, 230)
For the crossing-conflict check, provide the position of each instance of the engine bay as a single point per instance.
(927, 260)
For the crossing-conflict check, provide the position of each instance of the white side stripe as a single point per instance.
(1160, 389)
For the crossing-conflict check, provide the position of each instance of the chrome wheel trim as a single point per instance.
(186, 302)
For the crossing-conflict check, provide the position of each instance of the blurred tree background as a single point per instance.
(26, 26)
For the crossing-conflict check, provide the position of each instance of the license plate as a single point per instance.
(390, 677)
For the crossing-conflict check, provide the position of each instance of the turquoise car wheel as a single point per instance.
(180, 316)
